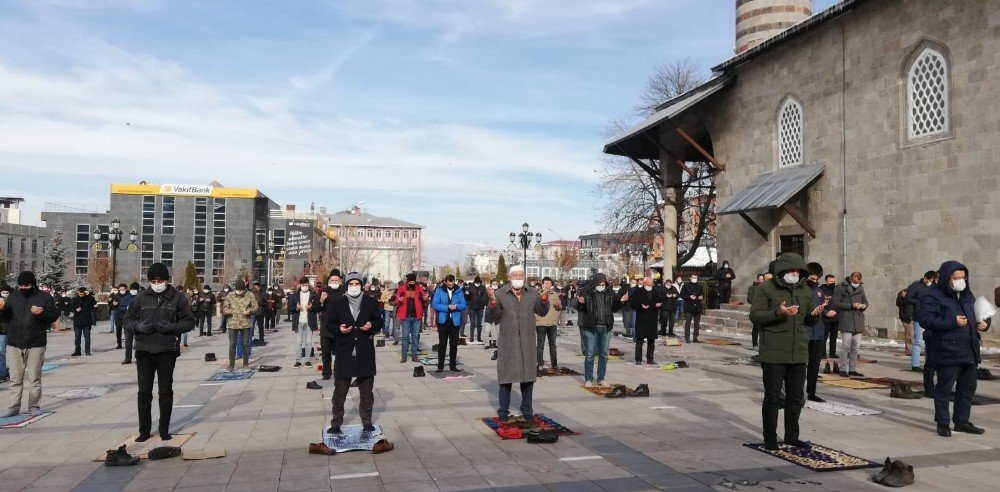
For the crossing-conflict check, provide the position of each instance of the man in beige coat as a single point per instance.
(514, 308)
(546, 326)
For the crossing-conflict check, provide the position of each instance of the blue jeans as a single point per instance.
(918, 344)
(476, 324)
(81, 332)
(680, 308)
(245, 334)
(411, 336)
(598, 342)
(387, 323)
(3, 356)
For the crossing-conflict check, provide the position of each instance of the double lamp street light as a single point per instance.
(523, 240)
(114, 236)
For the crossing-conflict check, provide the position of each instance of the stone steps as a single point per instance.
(732, 319)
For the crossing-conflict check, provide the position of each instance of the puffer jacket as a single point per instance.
(937, 313)
(24, 329)
(239, 305)
(844, 297)
(441, 302)
(784, 340)
(598, 308)
(148, 307)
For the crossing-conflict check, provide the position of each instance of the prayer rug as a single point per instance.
(540, 423)
(838, 408)
(24, 419)
(231, 376)
(50, 367)
(142, 449)
(352, 438)
(78, 393)
(451, 375)
(721, 341)
(817, 458)
(224, 361)
(888, 381)
(432, 361)
(420, 352)
(602, 390)
(737, 361)
(561, 371)
(853, 384)
(203, 454)
(672, 342)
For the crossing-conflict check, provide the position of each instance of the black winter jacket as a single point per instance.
(149, 309)
(24, 329)
(85, 316)
(355, 351)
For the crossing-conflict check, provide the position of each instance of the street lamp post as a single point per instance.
(524, 241)
(642, 251)
(114, 236)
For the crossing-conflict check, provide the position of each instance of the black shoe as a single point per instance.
(619, 391)
(968, 428)
(142, 437)
(297, 364)
(900, 475)
(856, 374)
(439, 370)
(418, 372)
(640, 391)
(368, 428)
(842, 374)
(126, 362)
(88, 353)
(984, 374)
(313, 385)
(454, 369)
(826, 368)
(119, 347)
(120, 457)
(326, 377)
(75, 354)
(165, 436)
(494, 356)
(402, 360)
(312, 352)
(878, 477)
(904, 391)
(836, 367)
(944, 430)
(798, 443)
(333, 430)
(687, 340)
(309, 364)
(815, 399)
(771, 445)
(697, 341)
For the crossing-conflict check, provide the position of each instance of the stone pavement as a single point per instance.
(687, 436)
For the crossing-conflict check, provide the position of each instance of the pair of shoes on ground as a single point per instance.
(944, 430)
(299, 364)
(440, 369)
(14, 412)
(620, 391)
(336, 430)
(798, 443)
(904, 390)
(894, 474)
(850, 374)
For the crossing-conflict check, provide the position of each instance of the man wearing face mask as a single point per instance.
(220, 299)
(409, 312)
(157, 317)
(114, 301)
(624, 288)
(726, 276)
(668, 309)
(27, 314)
(546, 326)
(206, 310)
(476, 298)
(816, 333)
(514, 308)
(646, 303)
(126, 301)
(351, 321)
(694, 304)
(597, 305)
(914, 293)
(449, 303)
(850, 300)
(784, 308)
(239, 306)
(947, 311)
(300, 303)
(333, 291)
(83, 319)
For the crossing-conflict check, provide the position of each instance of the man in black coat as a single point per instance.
(82, 307)
(351, 322)
(333, 291)
(726, 275)
(157, 317)
(206, 310)
(646, 303)
(476, 299)
(27, 314)
(668, 308)
(694, 304)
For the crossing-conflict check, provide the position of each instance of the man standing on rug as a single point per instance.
(239, 306)
(514, 308)
(694, 304)
(206, 310)
(851, 302)
(817, 333)
(157, 317)
(546, 326)
(597, 306)
(948, 311)
(333, 291)
(83, 319)
(831, 319)
(668, 309)
(409, 312)
(27, 313)
(449, 303)
(783, 308)
(351, 321)
(914, 293)
(300, 304)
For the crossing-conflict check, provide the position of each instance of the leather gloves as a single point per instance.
(145, 327)
(166, 328)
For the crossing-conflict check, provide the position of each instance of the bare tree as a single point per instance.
(567, 258)
(667, 82)
(99, 273)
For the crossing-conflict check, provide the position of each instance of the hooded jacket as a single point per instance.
(170, 307)
(784, 340)
(598, 308)
(476, 297)
(24, 329)
(938, 311)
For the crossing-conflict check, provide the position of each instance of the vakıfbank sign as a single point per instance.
(183, 190)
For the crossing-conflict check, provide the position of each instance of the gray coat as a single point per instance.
(844, 297)
(516, 353)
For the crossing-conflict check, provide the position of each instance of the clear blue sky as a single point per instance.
(468, 117)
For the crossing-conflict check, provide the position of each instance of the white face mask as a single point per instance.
(207, 291)
(239, 292)
(855, 285)
(694, 280)
(158, 288)
(600, 288)
(304, 288)
(791, 278)
(517, 284)
(633, 285)
(477, 284)
(334, 285)
(494, 286)
(133, 292)
(958, 284)
(354, 290)
(647, 287)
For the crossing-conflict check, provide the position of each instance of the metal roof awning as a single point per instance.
(773, 190)
(626, 144)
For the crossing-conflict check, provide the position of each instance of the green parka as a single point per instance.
(784, 340)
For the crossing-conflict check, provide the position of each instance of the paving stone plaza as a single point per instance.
(688, 435)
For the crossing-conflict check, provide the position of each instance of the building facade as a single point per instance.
(22, 247)
(382, 248)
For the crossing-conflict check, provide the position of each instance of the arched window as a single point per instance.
(927, 94)
(790, 133)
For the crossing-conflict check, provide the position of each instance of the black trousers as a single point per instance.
(161, 366)
(833, 335)
(961, 378)
(119, 327)
(326, 347)
(687, 325)
(205, 319)
(340, 389)
(817, 349)
(792, 377)
(667, 319)
(928, 367)
(260, 324)
(448, 337)
(754, 334)
(650, 345)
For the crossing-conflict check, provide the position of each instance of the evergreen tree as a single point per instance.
(55, 265)
(3, 271)
(458, 271)
(502, 269)
(434, 277)
(191, 276)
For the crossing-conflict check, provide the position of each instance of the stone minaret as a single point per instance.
(758, 20)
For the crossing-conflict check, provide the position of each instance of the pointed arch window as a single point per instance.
(790, 124)
(927, 95)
